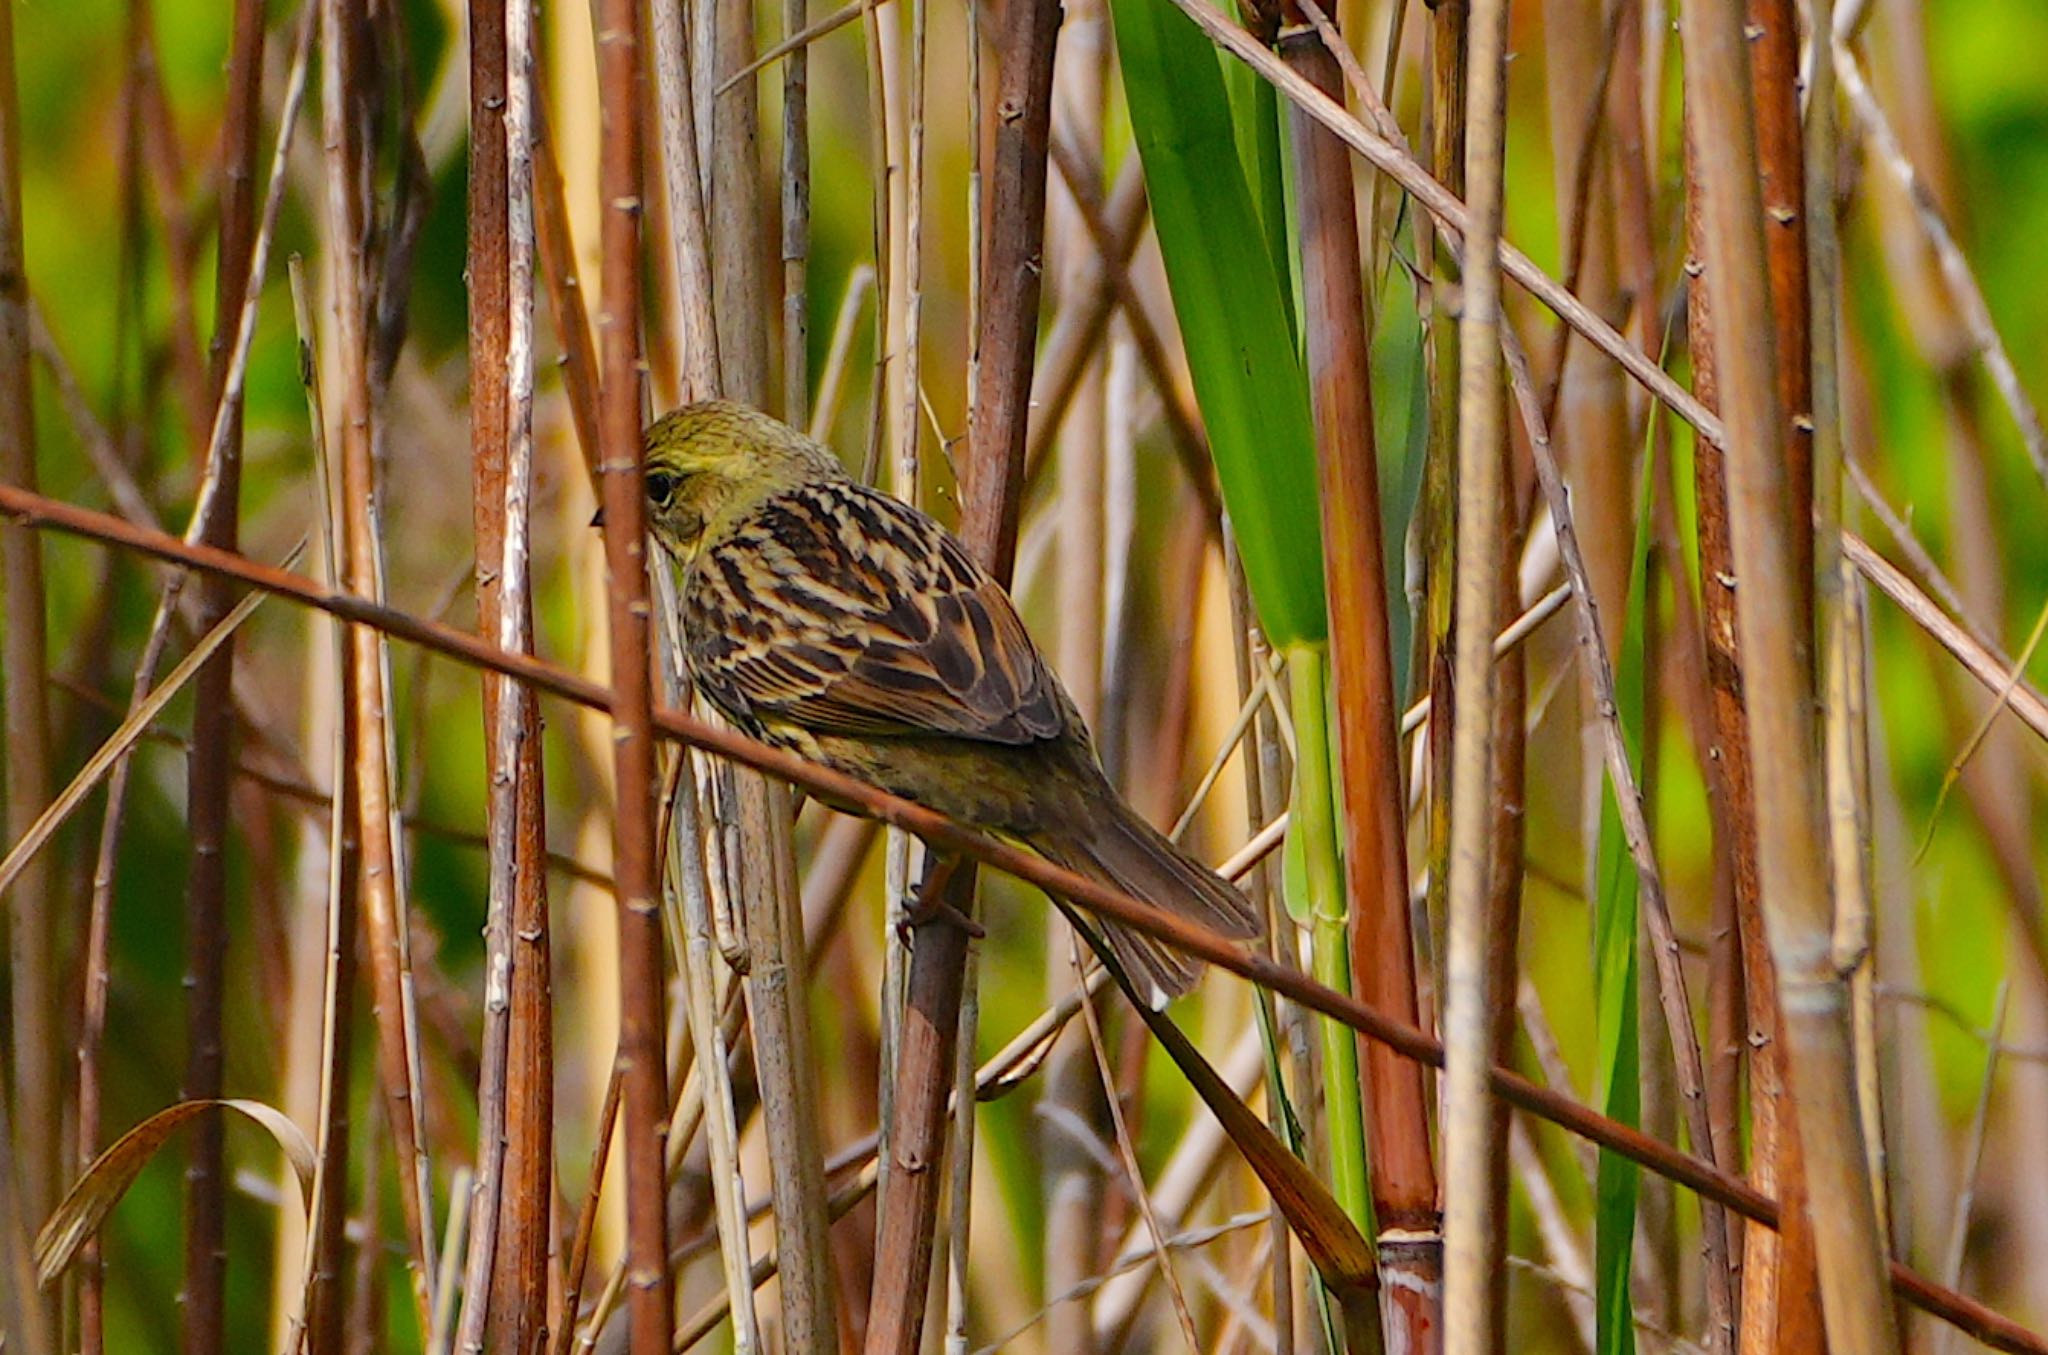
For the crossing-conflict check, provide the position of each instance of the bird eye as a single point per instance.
(661, 487)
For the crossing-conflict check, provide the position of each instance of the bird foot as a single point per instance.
(930, 905)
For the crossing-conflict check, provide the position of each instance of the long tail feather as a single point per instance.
(1122, 850)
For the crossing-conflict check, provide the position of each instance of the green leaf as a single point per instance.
(1618, 1086)
(1232, 308)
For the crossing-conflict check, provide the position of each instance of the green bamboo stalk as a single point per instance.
(1323, 903)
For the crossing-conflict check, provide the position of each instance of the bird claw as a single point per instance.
(930, 906)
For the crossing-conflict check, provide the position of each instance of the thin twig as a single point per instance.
(40, 511)
(1955, 268)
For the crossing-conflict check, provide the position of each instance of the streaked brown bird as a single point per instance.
(831, 619)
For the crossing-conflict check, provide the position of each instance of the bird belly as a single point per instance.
(1010, 790)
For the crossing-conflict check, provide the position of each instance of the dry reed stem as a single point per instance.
(1072, 1180)
(1382, 952)
(209, 772)
(687, 844)
(94, 968)
(796, 219)
(505, 1288)
(1469, 1315)
(565, 291)
(1710, 1182)
(343, 86)
(20, 1311)
(1792, 851)
(1967, 295)
(35, 1035)
(1127, 1153)
(989, 497)
(645, 1098)
(960, 1185)
(1109, 262)
(742, 299)
(1671, 987)
(1088, 303)
(682, 178)
(786, 1072)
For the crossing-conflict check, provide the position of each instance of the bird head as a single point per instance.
(708, 463)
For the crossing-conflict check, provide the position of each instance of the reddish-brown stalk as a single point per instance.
(1012, 266)
(518, 1110)
(23, 654)
(210, 770)
(1404, 1184)
(1774, 630)
(1780, 1295)
(644, 1094)
(345, 76)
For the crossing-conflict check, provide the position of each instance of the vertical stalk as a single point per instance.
(682, 177)
(1404, 1186)
(322, 1298)
(785, 1068)
(645, 1096)
(1792, 850)
(796, 221)
(506, 1287)
(991, 491)
(1313, 804)
(344, 84)
(1504, 910)
(23, 655)
(1780, 1298)
(1070, 1184)
(1469, 1020)
(210, 769)
(734, 203)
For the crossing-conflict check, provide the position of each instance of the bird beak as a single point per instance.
(597, 518)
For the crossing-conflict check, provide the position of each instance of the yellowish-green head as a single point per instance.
(710, 463)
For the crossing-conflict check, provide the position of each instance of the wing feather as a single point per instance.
(842, 610)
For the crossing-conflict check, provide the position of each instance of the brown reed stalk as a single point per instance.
(344, 91)
(1470, 1194)
(506, 1292)
(24, 647)
(1108, 262)
(766, 869)
(1708, 1181)
(1505, 872)
(645, 1097)
(1775, 640)
(1071, 1184)
(1404, 1183)
(176, 212)
(323, 1302)
(1780, 1296)
(1011, 269)
(210, 769)
(1090, 300)
(796, 219)
(22, 1317)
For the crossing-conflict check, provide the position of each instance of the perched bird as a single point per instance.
(838, 622)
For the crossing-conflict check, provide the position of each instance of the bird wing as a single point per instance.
(842, 610)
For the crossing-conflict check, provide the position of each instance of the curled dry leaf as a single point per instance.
(113, 1171)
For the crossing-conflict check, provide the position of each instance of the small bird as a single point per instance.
(842, 624)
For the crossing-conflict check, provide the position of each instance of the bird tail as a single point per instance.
(1120, 849)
